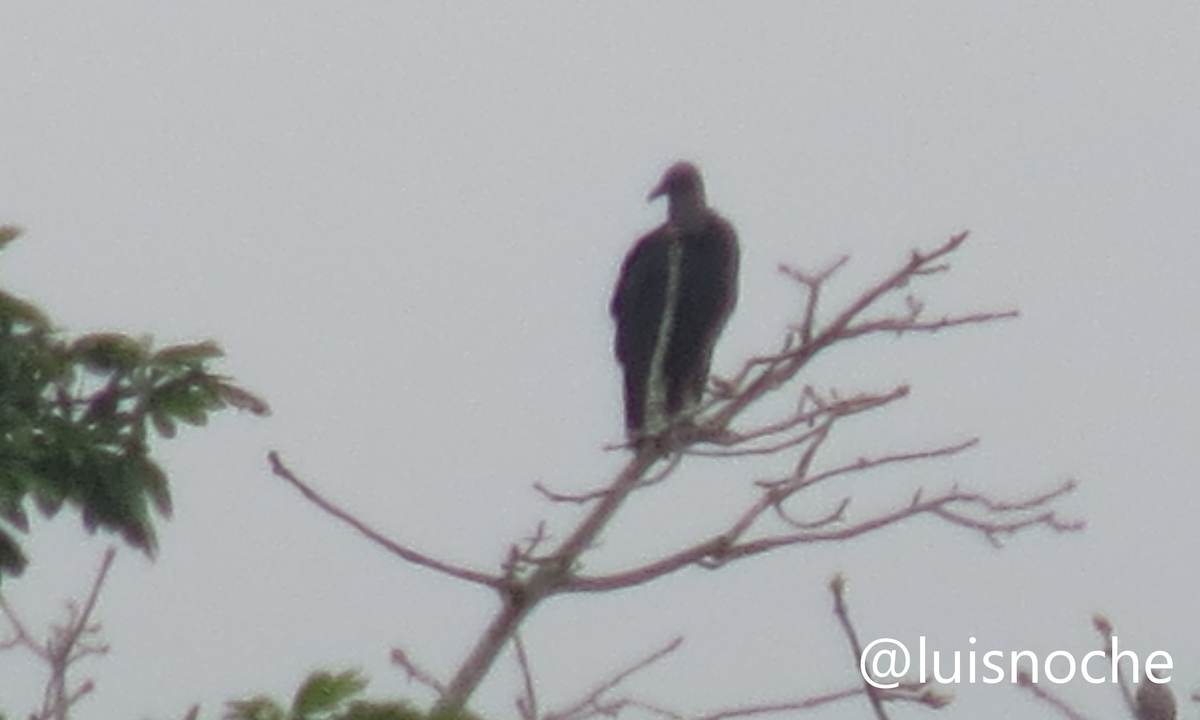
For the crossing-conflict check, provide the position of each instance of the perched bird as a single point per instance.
(677, 287)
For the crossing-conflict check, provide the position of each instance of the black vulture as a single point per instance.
(677, 287)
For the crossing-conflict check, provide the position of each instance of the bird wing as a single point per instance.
(637, 301)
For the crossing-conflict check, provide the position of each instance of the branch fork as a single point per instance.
(538, 569)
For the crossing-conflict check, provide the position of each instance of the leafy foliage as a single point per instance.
(77, 417)
(324, 696)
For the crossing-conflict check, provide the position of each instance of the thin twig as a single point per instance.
(412, 556)
(593, 704)
(867, 463)
(1104, 626)
(671, 464)
(786, 706)
(900, 326)
(837, 514)
(772, 449)
(904, 692)
(939, 505)
(814, 283)
(527, 704)
(416, 672)
(838, 587)
(825, 411)
(758, 378)
(21, 635)
(1025, 681)
(718, 550)
(575, 498)
(64, 646)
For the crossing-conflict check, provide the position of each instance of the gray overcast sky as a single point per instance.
(403, 222)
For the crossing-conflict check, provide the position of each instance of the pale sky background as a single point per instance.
(403, 223)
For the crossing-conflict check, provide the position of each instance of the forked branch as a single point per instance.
(955, 506)
(597, 702)
(761, 375)
(536, 570)
(64, 646)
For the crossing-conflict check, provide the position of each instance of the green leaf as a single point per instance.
(75, 416)
(453, 715)
(382, 711)
(324, 692)
(163, 423)
(109, 351)
(154, 481)
(188, 399)
(15, 310)
(188, 355)
(243, 399)
(139, 534)
(113, 498)
(258, 708)
(48, 496)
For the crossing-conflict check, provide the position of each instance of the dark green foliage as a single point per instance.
(324, 696)
(323, 692)
(76, 420)
(382, 711)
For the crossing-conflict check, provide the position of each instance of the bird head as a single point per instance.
(680, 182)
(685, 195)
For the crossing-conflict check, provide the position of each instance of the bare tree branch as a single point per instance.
(719, 550)
(1151, 701)
(594, 703)
(416, 672)
(527, 704)
(814, 410)
(838, 514)
(941, 505)
(908, 692)
(21, 636)
(865, 463)
(921, 693)
(669, 466)
(838, 587)
(1104, 626)
(900, 326)
(904, 692)
(578, 499)
(520, 595)
(779, 707)
(405, 553)
(993, 529)
(1058, 704)
(814, 283)
(759, 376)
(530, 575)
(65, 645)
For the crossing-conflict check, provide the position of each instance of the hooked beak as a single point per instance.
(658, 191)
